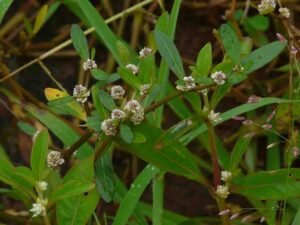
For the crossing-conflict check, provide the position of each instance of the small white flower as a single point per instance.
(109, 127)
(133, 68)
(145, 52)
(214, 117)
(80, 93)
(39, 208)
(137, 117)
(266, 6)
(54, 160)
(136, 110)
(294, 50)
(117, 92)
(285, 12)
(222, 191)
(89, 64)
(42, 185)
(226, 176)
(188, 85)
(238, 68)
(253, 99)
(118, 114)
(219, 77)
(224, 212)
(144, 89)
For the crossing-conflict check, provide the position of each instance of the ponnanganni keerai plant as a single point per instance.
(125, 110)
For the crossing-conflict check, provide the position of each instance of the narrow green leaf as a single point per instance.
(123, 52)
(158, 198)
(4, 5)
(26, 128)
(126, 133)
(129, 202)
(147, 70)
(204, 60)
(238, 151)
(79, 42)
(129, 77)
(169, 52)
(262, 56)
(39, 154)
(106, 100)
(96, 99)
(99, 74)
(40, 19)
(70, 189)
(231, 43)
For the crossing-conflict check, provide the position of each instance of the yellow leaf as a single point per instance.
(54, 94)
(40, 19)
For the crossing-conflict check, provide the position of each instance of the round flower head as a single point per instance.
(188, 85)
(219, 77)
(117, 92)
(266, 6)
(54, 160)
(133, 68)
(214, 117)
(138, 116)
(226, 176)
(222, 191)
(109, 127)
(80, 93)
(132, 106)
(145, 52)
(42, 185)
(118, 114)
(285, 12)
(144, 89)
(39, 208)
(89, 64)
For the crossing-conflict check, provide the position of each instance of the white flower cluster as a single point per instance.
(266, 6)
(109, 127)
(214, 117)
(117, 92)
(222, 191)
(189, 84)
(89, 64)
(39, 207)
(285, 12)
(118, 114)
(54, 160)
(144, 89)
(80, 93)
(136, 110)
(226, 176)
(219, 77)
(133, 68)
(145, 52)
(42, 185)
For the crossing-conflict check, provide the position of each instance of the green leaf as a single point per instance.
(39, 154)
(76, 210)
(187, 138)
(79, 42)
(147, 70)
(239, 149)
(106, 100)
(123, 52)
(231, 43)
(96, 99)
(130, 201)
(82, 171)
(71, 188)
(99, 74)
(40, 19)
(126, 133)
(101, 28)
(129, 77)
(259, 22)
(4, 5)
(204, 60)
(274, 185)
(169, 53)
(104, 177)
(26, 128)
(262, 56)
(296, 220)
(163, 151)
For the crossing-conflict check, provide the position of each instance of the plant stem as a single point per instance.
(213, 152)
(101, 148)
(69, 42)
(174, 95)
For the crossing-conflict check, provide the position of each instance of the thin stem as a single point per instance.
(214, 156)
(101, 148)
(172, 96)
(69, 42)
